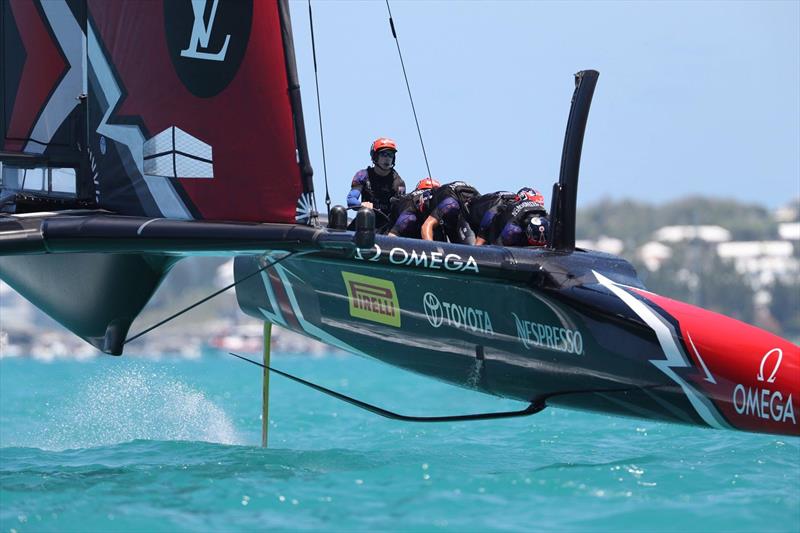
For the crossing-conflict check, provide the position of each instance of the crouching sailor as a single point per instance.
(486, 215)
(411, 210)
(450, 212)
(524, 221)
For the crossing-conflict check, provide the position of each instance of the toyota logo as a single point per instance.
(433, 309)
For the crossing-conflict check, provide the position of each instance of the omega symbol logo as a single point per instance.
(201, 34)
(771, 378)
(433, 309)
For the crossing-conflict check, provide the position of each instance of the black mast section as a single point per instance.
(565, 192)
(306, 172)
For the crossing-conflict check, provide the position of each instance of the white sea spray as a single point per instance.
(134, 403)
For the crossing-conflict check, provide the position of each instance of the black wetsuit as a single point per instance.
(368, 186)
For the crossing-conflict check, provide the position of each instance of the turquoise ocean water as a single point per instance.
(131, 444)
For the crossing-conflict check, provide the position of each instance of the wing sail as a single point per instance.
(184, 110)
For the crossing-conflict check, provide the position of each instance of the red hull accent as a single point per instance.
(751, 375)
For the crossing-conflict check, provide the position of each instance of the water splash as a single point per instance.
(474, 377)
(132, 403)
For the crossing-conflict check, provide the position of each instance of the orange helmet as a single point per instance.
(382, 143)
(428, 183)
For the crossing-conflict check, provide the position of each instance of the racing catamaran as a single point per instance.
(139, 133)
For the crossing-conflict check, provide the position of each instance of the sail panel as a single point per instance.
(197, 106)
(181, 109)
(44, 73)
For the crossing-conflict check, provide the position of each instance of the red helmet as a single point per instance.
(383, 143)
(526, 194)
(428, 183)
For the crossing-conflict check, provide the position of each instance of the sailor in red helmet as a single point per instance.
(375, 186)
(411, 210)
(522, 222)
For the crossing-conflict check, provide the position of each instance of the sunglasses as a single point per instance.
(386, 153)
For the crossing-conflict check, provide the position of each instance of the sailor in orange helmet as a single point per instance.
(375, 186)
(410, 210)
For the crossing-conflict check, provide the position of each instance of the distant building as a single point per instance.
(690, 233)
(789, 231)
(653, 254)
(609, 245)
(763, 262)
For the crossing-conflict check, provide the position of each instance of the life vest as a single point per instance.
(379, 190)
(484, 203)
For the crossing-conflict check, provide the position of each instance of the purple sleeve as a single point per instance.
(406, 223)
(513, 235)
(354, 196)
(446, 209)
(486, 224)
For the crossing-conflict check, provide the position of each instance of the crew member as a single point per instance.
(524, 222)
(486, 215)
(410, 210)
(450, 212)
(376, 185)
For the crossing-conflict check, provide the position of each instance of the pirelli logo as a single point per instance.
(372, 299)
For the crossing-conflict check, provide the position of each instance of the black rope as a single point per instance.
(408, 87)
(319, 111)
(207, 298)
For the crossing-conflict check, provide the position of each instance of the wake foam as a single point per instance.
(131, 403)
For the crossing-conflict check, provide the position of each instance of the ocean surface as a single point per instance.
(135, 444)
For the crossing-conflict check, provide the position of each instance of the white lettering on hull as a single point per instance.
(761, 402)
(534, 334)
(432, 260)
(463, 317)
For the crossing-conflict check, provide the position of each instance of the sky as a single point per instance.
(694, 98)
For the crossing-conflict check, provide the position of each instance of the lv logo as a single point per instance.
(201, 34)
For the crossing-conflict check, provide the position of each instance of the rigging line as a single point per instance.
(535, 406)
(210, 296)
(319, 111)
(408, 87)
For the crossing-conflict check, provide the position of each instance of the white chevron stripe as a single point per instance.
(64, 99)
(169, 203)
(674, 358)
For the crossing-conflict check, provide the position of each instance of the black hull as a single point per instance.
(521, 324)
